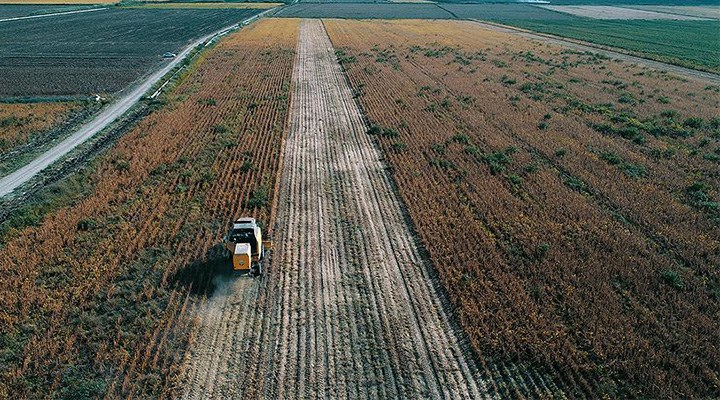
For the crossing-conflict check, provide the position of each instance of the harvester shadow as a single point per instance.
(201, 276)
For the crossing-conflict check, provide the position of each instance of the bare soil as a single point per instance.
(693, 11)
(349, 308)
(609, 12)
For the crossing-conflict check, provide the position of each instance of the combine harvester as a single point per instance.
(247, 247)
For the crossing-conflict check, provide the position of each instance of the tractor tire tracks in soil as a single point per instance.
(349, 308)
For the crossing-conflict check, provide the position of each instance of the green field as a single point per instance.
(206, 5)
(635, 2)
(686, 43)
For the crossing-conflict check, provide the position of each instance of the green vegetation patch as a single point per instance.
(685, 43)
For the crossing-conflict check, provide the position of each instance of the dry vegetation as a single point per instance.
(95, 299)
(569, 202)
(347, 310)
(18, 122)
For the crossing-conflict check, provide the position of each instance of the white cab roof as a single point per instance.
(242, 248)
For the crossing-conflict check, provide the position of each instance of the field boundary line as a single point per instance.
(116, 110)
(447, 11)
(52, 14)
(609, 51)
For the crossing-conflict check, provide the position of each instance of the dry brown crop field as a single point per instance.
(569, 202)
(95, 300)
(348, 309)
(20, 121)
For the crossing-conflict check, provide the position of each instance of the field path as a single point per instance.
(349, 308)
(604, 50)
(51, 14)
(111, 113)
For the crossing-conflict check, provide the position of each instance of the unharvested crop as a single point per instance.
(95, 299)
(570, 229)
(18, 122)
(677, 42)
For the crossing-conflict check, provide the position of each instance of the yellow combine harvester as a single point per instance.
(246, 246)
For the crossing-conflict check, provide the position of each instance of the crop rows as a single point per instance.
(98, 52)
(348, 309)
(569, 207)
(361, 10)
(24, 10)
(499, 11)
(676, 42)
(98, 297)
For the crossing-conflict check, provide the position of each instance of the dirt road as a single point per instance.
(349, 308)
(51, 14)
(111, 113)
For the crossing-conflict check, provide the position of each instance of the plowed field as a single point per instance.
(99, 52)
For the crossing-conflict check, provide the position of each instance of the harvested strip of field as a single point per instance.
(349, 308)
(610, 12)
(364, 10)
(98, 52)
(96, 298)
(693, 11)
(569, 202)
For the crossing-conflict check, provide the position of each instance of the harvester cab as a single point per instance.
(246, 246)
